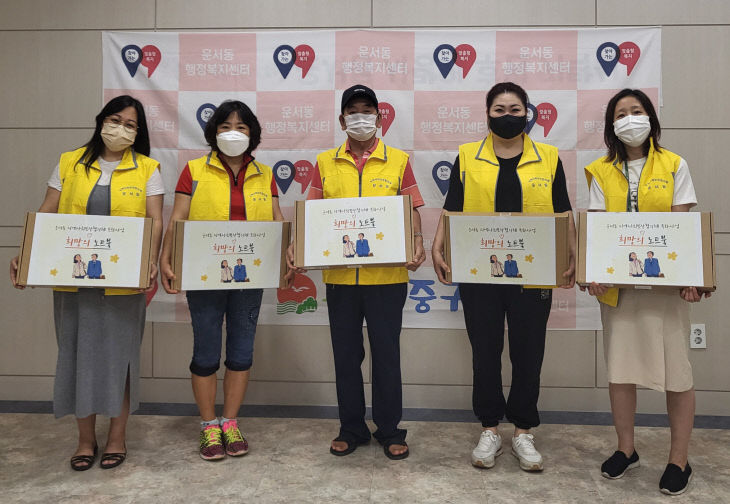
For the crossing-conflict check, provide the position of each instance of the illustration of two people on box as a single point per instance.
(237, 274)
(92, 270)
(509, 269)
(360, 248)
(649, 268)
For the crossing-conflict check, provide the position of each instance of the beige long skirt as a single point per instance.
(646, 339)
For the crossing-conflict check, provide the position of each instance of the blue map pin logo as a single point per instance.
(441, 175)
(444, 56)
(284, 57)
(284, 174)
(531, 117)
(205, 111)
(608, 56)
(132, 57)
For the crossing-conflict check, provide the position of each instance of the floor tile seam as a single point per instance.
(372, 475)
(269, 460)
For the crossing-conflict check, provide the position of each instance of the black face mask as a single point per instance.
(507, 126)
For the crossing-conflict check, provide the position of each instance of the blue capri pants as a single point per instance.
(207, 310)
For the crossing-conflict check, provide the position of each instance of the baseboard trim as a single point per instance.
(409, 414)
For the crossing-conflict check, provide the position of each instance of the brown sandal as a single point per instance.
(84, 462)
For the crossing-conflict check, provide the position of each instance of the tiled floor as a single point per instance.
(289, 462)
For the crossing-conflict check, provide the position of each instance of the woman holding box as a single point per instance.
(495, 175)
(644, 332)
(99, 331)
(225, 184)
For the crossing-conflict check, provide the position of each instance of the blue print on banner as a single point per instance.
(453, 300)
(425, 285)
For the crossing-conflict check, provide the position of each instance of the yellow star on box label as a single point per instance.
(473, 271)
(610, 271)
(379, 236)
(114, 258)
(257, 262)
(204, 278)
(672, 256)
(54, 272)
(529, 258)
(326, 253)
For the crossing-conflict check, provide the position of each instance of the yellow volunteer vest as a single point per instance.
(479, 170)
(656, 188)
(381, 176)
(211, 199)
(128, 191)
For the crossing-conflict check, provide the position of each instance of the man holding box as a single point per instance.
(376, 295)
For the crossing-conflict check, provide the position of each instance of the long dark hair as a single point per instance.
(244, 113)
(95, 146)
(616, 148)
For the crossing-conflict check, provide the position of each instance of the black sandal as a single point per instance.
(352, 445)
(84, 462)
(116, 459)
(392, 456)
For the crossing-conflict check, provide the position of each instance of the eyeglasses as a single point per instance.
(130, 127)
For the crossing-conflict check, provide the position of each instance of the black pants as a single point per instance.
(527, 311)
(382, 307)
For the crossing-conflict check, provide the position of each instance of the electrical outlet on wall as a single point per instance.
(697, 336)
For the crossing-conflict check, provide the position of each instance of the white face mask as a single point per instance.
(232, 143)
(361, 127)
(632, 130)
(116, 137)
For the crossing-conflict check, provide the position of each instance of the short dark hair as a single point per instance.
(507, 87)
(95, 146)
(221, 114)
(616, 148)
(650, 252)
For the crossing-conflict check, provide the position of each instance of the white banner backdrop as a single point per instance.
(431, 85)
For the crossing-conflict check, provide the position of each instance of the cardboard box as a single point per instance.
(386, 223)
(676, 240)
(52, 243)
(538, 246)
(254, 251)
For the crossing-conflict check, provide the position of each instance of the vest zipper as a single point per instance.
(522, 195)
(359, 195)
(496, 183)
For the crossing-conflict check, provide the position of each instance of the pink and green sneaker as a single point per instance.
(236, 445)
(211, 445)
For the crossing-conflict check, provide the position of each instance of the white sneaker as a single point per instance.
(489, 446)
(523, 447)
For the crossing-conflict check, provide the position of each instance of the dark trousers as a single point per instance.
(527, 311)
(382, 307)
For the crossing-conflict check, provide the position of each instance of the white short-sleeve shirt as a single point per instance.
(154, 184)
(684, 189)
